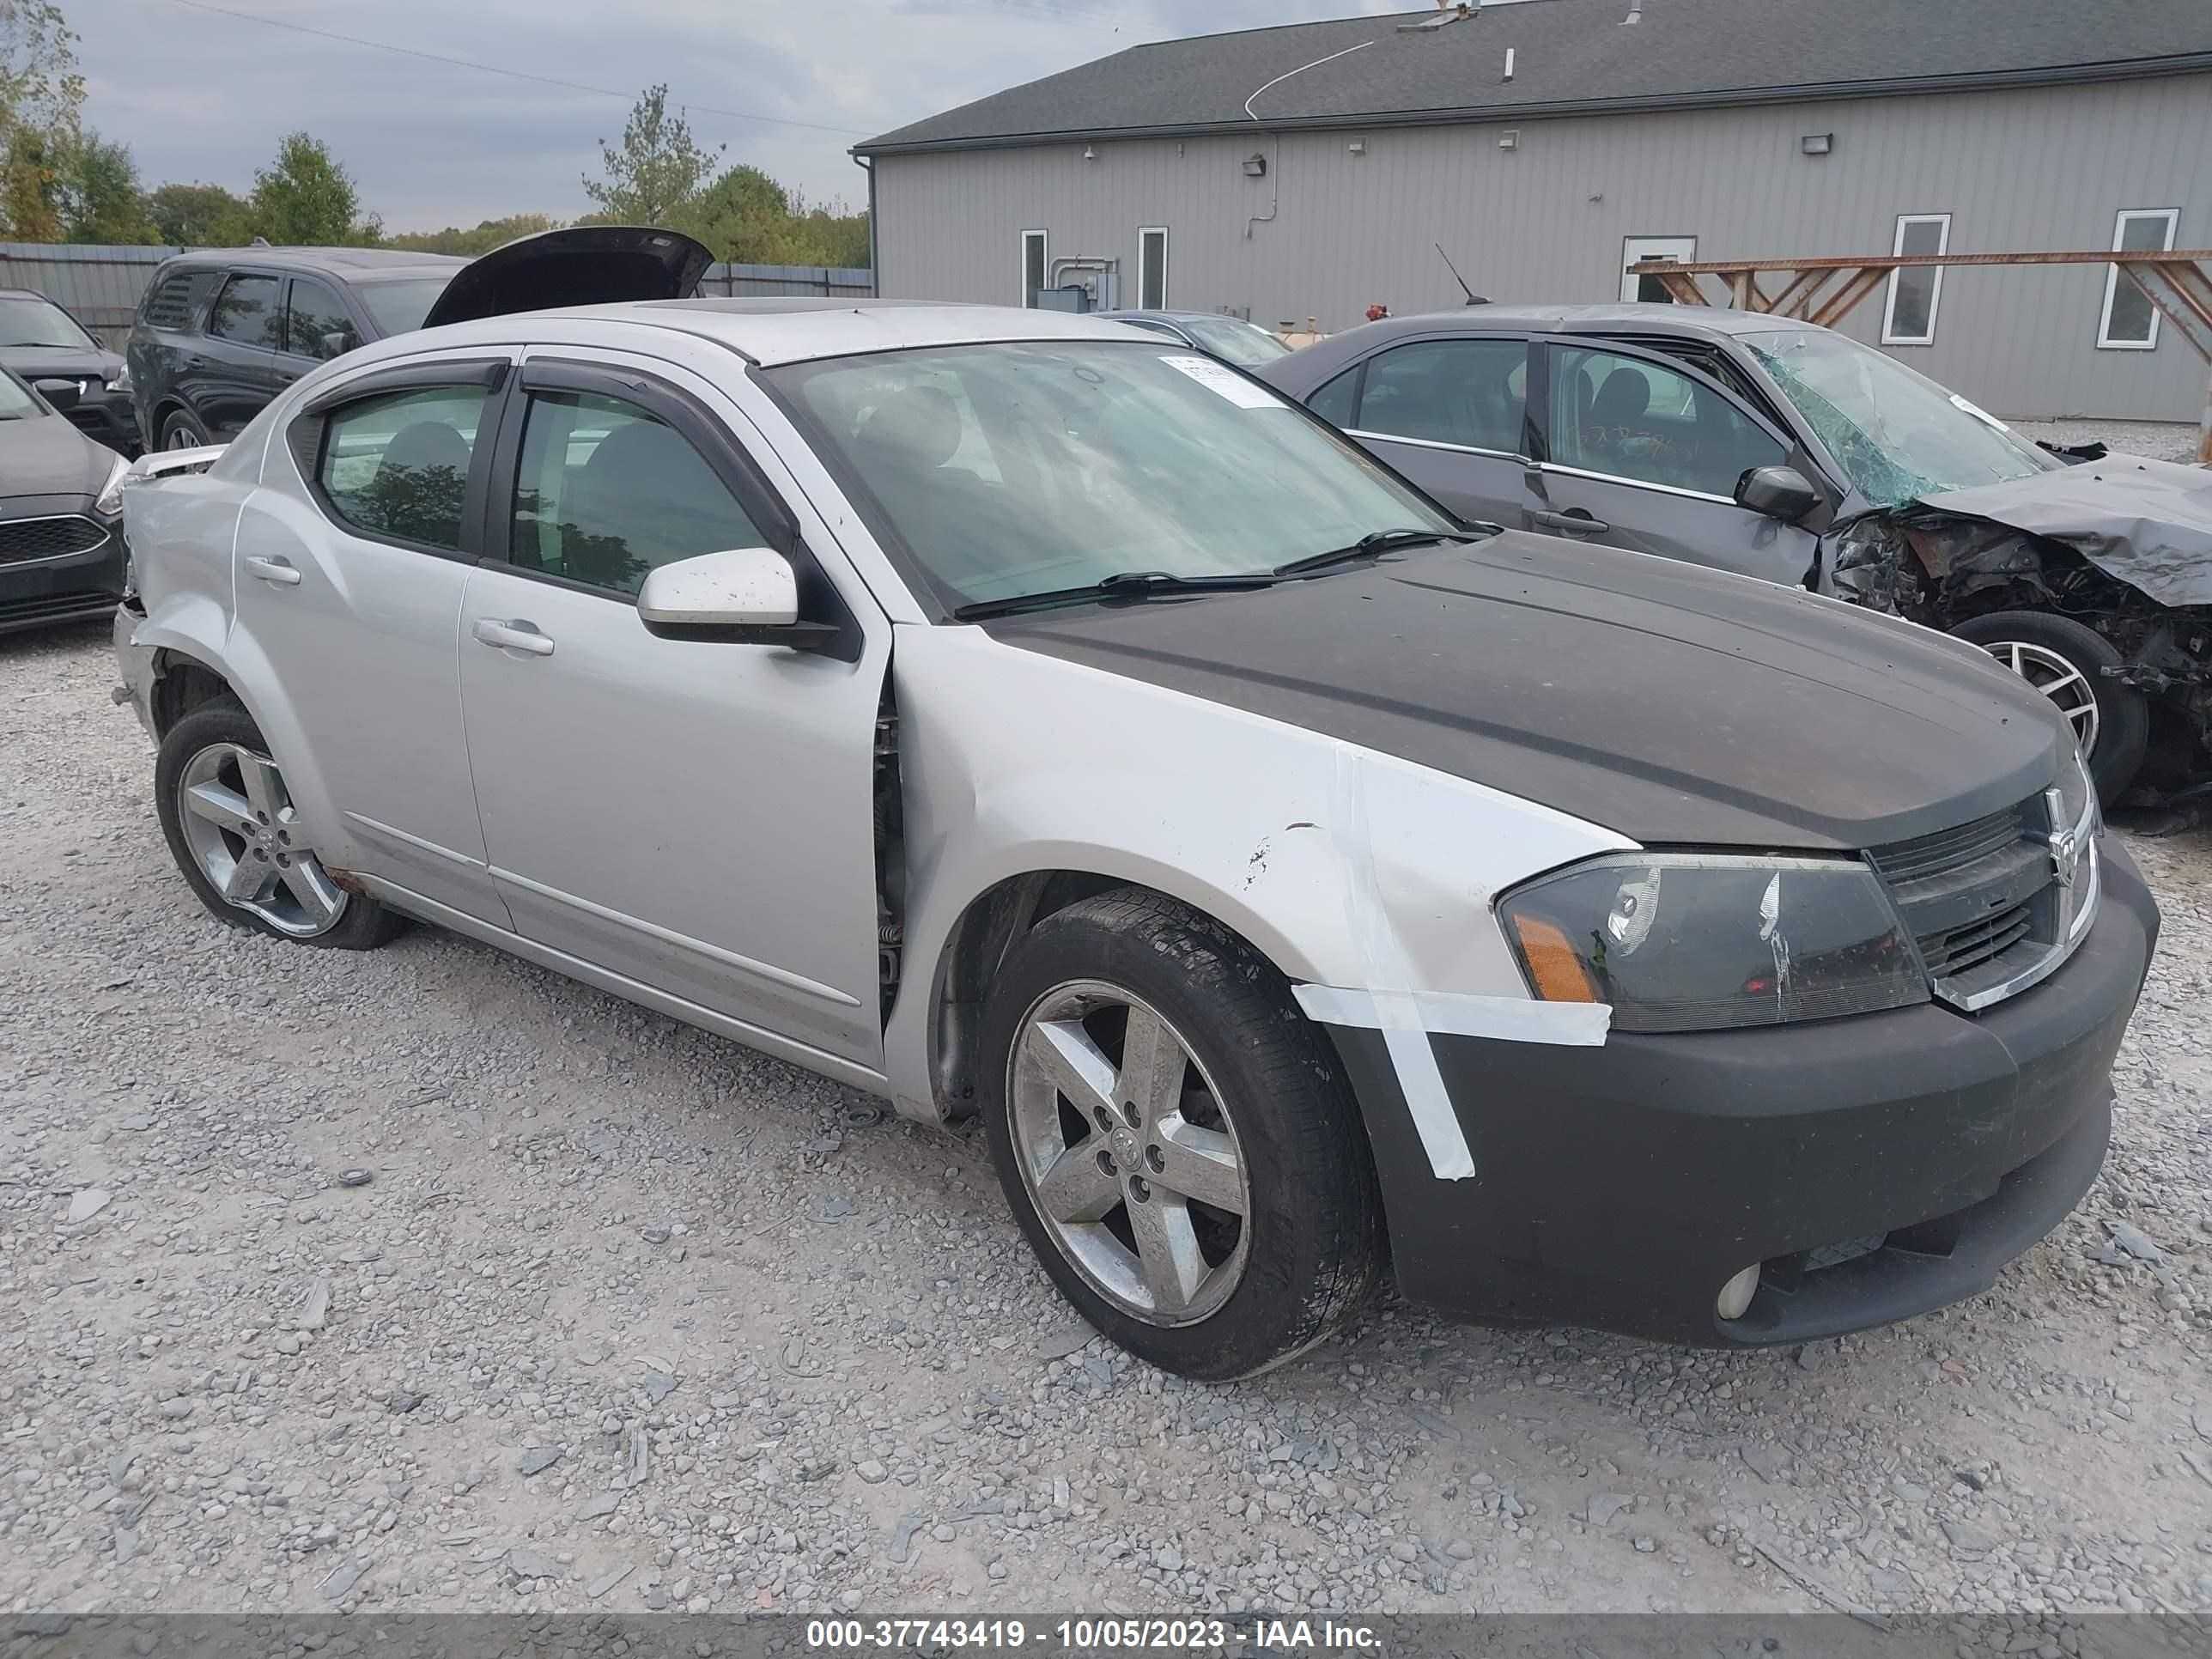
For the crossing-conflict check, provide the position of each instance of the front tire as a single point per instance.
(2066, 662)
(1177, 1141)
(243, 849)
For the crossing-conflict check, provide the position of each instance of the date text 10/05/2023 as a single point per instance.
(1109, 1634)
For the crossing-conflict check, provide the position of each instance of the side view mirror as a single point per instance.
(746, 596)
(338, 343)
(62, 394)
(1777, 492)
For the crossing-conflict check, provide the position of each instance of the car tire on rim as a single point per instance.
(1177, 1141)
(231, 827)
(182, 430)
(2066, 661)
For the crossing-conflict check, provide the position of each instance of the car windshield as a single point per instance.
(1017, 468)
(1896, 434)
(16, 399)
(400, 304)
(26, 322)
(1240, 342)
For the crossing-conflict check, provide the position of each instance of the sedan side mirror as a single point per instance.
(746, 596)
(338, 343)
(62, 394)
(1777, 492)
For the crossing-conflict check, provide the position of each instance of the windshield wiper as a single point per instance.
(1121, 585)
(1382, 541)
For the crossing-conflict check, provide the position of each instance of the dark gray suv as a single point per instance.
(220, 333)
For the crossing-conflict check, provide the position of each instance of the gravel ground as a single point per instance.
(2162, 441)
(630, 1318)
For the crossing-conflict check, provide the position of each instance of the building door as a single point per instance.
(1633, 248)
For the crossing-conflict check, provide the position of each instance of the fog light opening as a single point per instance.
(1736, 1294)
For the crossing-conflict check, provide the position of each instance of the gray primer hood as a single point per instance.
(2146, 523)
(1667, 702)
(44, 455)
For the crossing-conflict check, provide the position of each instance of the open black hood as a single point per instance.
(584, 266)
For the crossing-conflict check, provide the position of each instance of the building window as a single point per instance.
(2129, 322)
(1152, 268)
(1033, 265)
(1915, 291)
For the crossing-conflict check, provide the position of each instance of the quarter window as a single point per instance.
(1915, 291)
(317, 324)
(1632, 419)
(1338, 402)
(396, 466)
(606, 492)
(249, 312)
(174, 302)
(2129, 322)
(1470, 392)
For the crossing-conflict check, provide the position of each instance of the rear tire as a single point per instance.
(182, 430)
(2066, 661)
(1254, 1090)
(229, 822)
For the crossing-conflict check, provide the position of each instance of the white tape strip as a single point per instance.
(1386, 964)
(1515, 1019)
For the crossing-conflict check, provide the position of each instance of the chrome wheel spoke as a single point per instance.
(223, 807)
(1200, 1164)
(317, 894)
(1150, 1080)
(1078, 1187)
(1167, 1252)
(245, 878)
(1076, 1065)
(263, 787)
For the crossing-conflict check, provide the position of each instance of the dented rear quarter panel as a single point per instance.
(1015, 763)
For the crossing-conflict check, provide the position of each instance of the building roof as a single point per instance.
(1574, 57)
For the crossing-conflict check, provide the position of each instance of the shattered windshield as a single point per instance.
(1896, 434)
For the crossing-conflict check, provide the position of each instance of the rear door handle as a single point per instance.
(516, 636)
(1574, 524)
(277, 571)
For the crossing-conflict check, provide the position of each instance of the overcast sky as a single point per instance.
(203, 94)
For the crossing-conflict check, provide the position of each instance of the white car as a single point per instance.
(1018, 714)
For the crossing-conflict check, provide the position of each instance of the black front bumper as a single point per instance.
(71, 588)
(1877, 1166)
(111, 418)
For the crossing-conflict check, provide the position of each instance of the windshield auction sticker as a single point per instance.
(1226, 381)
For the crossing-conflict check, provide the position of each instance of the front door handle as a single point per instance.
(1574, 523)
(277, 571)
(516, 636)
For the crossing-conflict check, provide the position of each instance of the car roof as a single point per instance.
(789, 330)
(1611, 318)
(1169, 316)
(350, 263)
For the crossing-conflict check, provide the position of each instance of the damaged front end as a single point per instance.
(1932, 564)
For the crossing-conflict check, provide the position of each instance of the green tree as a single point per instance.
(657, 172)
(307, 199)
(99, 197)
(199, 216)
(486, 236)
(41, 101)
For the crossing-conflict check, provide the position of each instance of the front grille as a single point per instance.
(22, 540)
(1980, 899)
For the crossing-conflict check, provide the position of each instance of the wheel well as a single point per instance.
(180, 686)
(987, 930)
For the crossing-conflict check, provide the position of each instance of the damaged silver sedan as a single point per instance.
(1793, 454)
(1030, 719)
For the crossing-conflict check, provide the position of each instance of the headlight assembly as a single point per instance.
(1707, 941)
(121, 385)
(109, 502)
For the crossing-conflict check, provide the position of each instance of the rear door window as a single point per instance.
(396, 466)
(249, 312)
(1627, 418)
(1472, 393)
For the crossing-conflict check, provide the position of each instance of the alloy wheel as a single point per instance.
(2067, 686)
(243, 834)
(1128, 1153)
(184, 438)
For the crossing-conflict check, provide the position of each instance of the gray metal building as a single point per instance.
(1308, 170)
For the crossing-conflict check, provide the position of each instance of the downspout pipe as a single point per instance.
(875, 257)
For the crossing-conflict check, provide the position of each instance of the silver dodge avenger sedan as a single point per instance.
(1016, 716)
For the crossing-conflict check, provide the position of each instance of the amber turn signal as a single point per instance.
(1555, 968)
